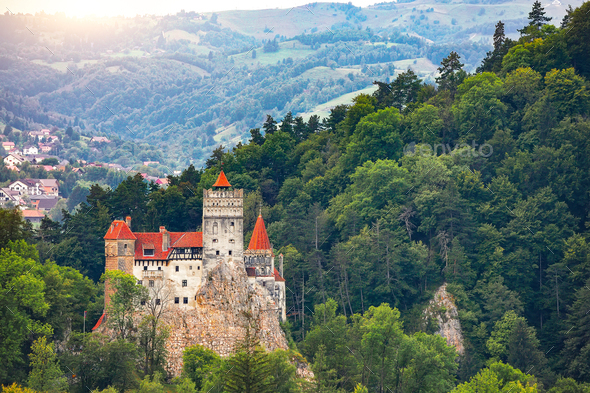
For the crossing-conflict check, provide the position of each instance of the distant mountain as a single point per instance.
(188, 82)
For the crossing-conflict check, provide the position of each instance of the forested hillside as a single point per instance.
(187, 82)
(480, 181)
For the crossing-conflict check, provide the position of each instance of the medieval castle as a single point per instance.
(181, 261)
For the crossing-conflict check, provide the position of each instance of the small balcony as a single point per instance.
(152, 273)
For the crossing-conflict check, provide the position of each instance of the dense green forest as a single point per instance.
(480, 181)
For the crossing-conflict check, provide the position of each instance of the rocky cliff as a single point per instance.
(442, 307)
(218, 321)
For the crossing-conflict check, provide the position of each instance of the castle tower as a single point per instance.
(259, 254)
(119, 251)
(223, 217)
(259, 261)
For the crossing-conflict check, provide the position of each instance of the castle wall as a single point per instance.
(189, 270)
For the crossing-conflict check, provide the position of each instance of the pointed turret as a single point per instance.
(259, 240)
(222, 181)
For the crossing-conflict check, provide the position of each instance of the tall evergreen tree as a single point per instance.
(537, 15)
(250, 368)
(451, 73)
(405, 89)
(269, 126)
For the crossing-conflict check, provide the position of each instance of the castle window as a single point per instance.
(217, 252)
(232, 241)
(184, 283)
(139, 282)
(157, 302)
(185, 300)
(148, 252)
(177, 268)
(151, 283)
(215, 241)
(159, 267)
(229, 252)
(215, 228)
(231, 224)
(198, 267)
(145, 268)
(176, 300)
(190, 267)
(125, 246)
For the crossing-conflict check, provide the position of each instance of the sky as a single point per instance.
(81, 8)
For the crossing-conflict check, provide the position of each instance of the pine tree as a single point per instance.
(499, 36)
(257, 137)
(451, 73)
(405, 89)
(576, 352)
(523, 348)
(567, 17)
(287, 123)
(269, 126)
(249, 366)
(537, 15)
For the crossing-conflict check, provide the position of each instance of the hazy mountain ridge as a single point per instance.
(117, 76)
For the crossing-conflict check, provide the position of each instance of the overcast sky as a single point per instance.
(81, 8)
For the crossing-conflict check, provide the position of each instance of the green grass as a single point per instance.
(323, 110)
(293, 49)
(61, 65)
(227, 134)
(181, 35)
(131, 53)
(321, 72)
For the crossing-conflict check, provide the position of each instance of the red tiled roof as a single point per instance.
(99, 321)
(278, 276)
(189, 239)
(33, 214)
(221, 181)
(119, 231)
(154, 240)
(259, 240)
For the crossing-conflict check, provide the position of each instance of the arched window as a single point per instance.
(215, 228)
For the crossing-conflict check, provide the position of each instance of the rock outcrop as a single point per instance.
(218, 320)
(443, 308)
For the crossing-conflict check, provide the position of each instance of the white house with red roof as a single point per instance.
(175, 264)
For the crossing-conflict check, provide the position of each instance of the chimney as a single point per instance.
(281, 264)
(128, 221)
(165, 238)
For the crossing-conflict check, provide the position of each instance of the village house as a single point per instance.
(8, 146)
(44, 202)
(14, 159)
(33, 215)
(30, 149)
(39, 135)
(9, 196)
(49, 186)
(100, 139)
(45, 147)
(27, 187)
